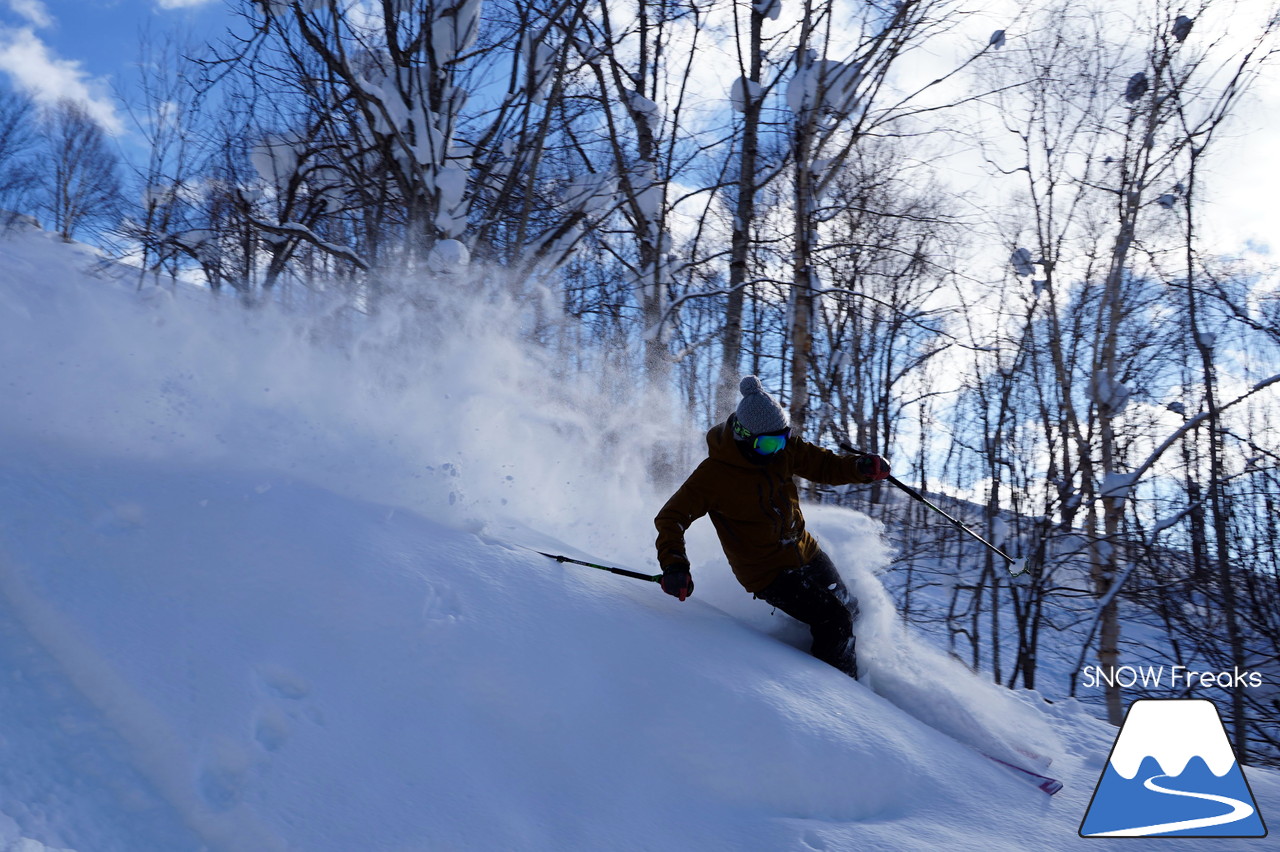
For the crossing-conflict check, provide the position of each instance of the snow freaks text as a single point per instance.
(1175, 677)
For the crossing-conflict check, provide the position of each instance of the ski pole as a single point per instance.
(652, 578)
(1016, 566)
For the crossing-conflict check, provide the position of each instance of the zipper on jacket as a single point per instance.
(780, 525)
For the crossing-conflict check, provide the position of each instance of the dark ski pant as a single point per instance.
(815, 594)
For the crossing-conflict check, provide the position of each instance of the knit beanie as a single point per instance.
(757, 411)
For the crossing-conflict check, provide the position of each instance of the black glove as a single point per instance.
(676, 579)
(871, 467)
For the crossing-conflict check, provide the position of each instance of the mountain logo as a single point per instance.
(1172, 773)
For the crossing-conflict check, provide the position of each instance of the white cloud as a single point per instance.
(48, 79)
(181, 4)
(33, 12)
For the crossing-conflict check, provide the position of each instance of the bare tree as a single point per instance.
(398, 70)
(81, 187)
(17, 138)
(748, 97)
(1199, 124)
(838, 97)
(166, 113)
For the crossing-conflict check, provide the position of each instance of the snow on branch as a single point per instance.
(1194, 422)
(825, 85)
(302, 232)
(770, 9)
(743, 93)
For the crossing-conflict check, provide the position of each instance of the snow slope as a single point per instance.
(260, 592)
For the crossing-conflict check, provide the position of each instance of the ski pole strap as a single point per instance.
(652, 578)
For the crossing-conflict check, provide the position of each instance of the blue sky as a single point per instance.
(87, 50)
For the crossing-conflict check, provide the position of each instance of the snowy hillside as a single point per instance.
(262, 587)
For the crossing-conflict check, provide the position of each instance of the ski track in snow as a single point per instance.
(95, 698)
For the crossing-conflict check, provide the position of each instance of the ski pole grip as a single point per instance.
(849, 448)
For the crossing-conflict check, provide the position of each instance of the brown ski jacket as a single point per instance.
(754, 507)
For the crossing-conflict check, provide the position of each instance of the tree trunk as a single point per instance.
(1217, 476)
(743, 217)
(801, 330)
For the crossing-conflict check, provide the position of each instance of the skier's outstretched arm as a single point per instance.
(817, 464)
(685, 506)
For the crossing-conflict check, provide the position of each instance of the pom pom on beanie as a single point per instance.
(758, 411)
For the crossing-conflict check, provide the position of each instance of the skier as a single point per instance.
(746, 485)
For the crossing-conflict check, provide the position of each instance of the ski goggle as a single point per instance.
(767, 445)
